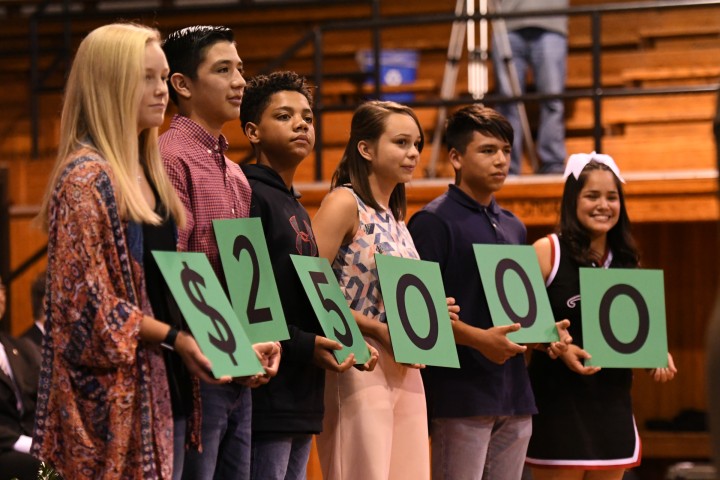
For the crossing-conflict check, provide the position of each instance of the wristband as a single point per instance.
(170, 339)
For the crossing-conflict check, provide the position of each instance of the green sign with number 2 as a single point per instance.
(250, 278)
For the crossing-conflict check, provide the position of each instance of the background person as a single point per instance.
(538, 44)
(19, 370)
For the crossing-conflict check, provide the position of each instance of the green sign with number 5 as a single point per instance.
(330, 306)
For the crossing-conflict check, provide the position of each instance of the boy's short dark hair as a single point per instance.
(185, 49)
(463, 123)
(261, 87)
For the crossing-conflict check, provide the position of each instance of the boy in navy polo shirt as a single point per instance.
(480, 415)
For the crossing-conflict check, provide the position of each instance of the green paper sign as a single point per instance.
(331, 307)
(417, 314)
(515, 291)
(623, 317)
(208, 312)
(250, 279)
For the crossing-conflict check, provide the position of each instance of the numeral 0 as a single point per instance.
(406, 281)
(503, 266)
(643, 319)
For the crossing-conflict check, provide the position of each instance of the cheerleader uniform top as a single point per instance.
(583, 421)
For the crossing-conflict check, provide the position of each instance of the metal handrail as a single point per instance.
(377, 22)
(596, 92)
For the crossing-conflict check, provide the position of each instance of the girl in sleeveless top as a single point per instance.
(375, 425)
(585, 428)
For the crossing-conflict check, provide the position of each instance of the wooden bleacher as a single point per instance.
(663, 144)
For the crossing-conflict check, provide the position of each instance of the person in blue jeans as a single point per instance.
(539, 44)
(277, 119)
(480, 414)
(207, 85)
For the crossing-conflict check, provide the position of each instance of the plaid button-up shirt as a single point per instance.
(209, 184)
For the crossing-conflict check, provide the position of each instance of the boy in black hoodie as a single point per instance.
(278, 120)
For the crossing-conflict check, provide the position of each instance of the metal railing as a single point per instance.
(596, 92)
(376, 23)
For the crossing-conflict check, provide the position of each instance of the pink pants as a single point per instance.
(375, 425)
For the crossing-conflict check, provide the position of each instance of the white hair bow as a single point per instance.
(578, 161)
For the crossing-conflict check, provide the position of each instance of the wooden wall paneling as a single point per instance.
(688, 255)
(25, 239)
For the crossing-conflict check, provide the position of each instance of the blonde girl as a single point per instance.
(103, 406)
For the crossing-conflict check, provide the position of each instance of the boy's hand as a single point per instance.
(663, 375)
(574, 357)
(269, 354)
(453, 309)
(369, 366)
(556, 349)
(324, 358)
(495, 346)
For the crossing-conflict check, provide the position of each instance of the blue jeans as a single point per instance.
(226, 418)
(545, 52)
(280, 457)
(479, 448)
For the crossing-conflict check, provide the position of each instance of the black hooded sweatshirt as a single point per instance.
(292, 402)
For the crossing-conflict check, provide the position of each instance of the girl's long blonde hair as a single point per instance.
(100, 111)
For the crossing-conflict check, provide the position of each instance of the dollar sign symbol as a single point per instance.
(225, 341)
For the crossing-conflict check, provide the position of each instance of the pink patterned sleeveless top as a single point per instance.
(354, 265)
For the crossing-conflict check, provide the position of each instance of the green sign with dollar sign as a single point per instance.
(208, 312)
(250, 278)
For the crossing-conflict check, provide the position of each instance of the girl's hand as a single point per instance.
(574, 357)
(453, 309)
(556, 349)
(197, 363)
(323, 355)
(382, 334)
(663, 375)
(369, 366)
(417, 366)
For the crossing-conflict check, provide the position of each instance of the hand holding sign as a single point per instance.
(515, 291)
(577, 360)
(208, 313)
(623, 317)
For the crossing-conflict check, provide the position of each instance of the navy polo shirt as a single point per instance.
(444, 231)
